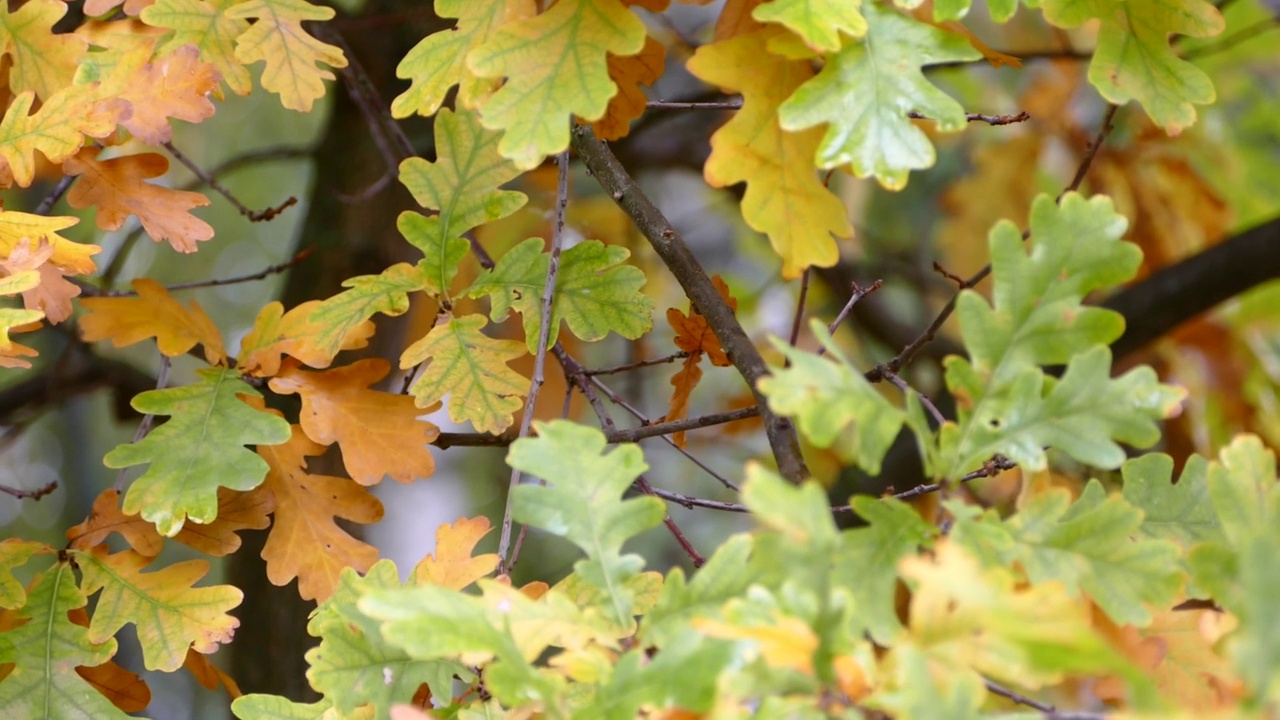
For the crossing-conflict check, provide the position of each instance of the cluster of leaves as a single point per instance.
(916, 614)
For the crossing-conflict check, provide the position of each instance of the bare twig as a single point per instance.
(800, 302)
(262, 274)
(34, 494)
(250, 159)
(207, 179)
(902, 385)
(858, 294)
(618, 183)
(990, 468)
(1092, 151)
(55, 194)
(979, 117)
(735, 103)
(540, 359)
(1050, 712)
(144, 427)
(637, 364)
(613, 435)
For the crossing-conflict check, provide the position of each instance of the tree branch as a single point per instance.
(604, 166)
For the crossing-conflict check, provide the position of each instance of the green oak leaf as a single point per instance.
(724, 576)
(45, 652)
(462, 184)
(259, 706)
(1133, 59)
(818, 22)
(831, 401)
(865, 91)
(386, 293)
(200, 448)
(14, 553)
(1182, 511)
(583, 502)
(595, 293)
(868, 560)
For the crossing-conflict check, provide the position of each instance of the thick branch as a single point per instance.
(604, 166)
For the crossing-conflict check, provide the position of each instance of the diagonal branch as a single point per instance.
(615, 179)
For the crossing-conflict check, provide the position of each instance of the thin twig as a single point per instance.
(703, 295)
(262, 274)
(46, 205)
(979, 117)
(735, 103)
(250, 159)
(614, 369)
(207, 179)
(34, 494)
(990, 468)
(800, 302)
(612, 435)
(540, 359)
(144, 427)
(1050, 712)
(1092, 151)
(858, 294)
(902, 385)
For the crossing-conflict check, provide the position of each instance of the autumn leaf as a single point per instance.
(438, 61)
(126, 690)
(52, 296)
(336, 319)
(291, 55)
(1178, 650)
(683, 384)
(170, 615)
(154, 313)
(784, 198)
(276, 333)
(694, 336)
(462, 184)
(305, 542)
(595, 293)
(471, 368)
(98, 8)
(71, 257)
(57, 129)
(451, 565)
(176, 85)
(116, 187)
(43, 61)
(13, 318)
(236, 511)
(781, 641)
(865, 91)
(209, 676)
(819, 22)
(184, 475)
(378, 432)
(207, 25)
(14, 553)
(629, 72)
(556, 67)
(1133, 59)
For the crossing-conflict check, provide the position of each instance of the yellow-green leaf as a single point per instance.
(386, 293)
(818, 22)
(43, 62)
(207, 25)
(555, 65)
(291, 55)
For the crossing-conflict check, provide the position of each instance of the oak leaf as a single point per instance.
(471, 368)
(438, 62)
(207, 25)
(291, 55)
(43, 61)
(236, 511)
(276, 333)
(57, 129)
(305, 542)
(170, 615)
(336, 318)
(126, 690)
(116, 187)
(378, 432)
(452, 565)
(98, 8)
(629, 72)
(53, 294)
(17, 227)
(176, 85)
(695, 337)
(819, 23)
(12, 319)
(200, 449)
(154, 313)
(14, 553)
(209, 676)
(784, 198)
(556, 67)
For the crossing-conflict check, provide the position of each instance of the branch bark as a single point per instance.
(615, 179)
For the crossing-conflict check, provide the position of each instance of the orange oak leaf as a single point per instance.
(175, 86)
(124, 689)
(629, 73)
(12, 356)
(118, 188)
(378, 432)
(695, 337)
(276, 333)
(236, 511)
(305, 542)
(451, 566)
(53, 295)
(154, 313)
(209, 676)
(683, 382)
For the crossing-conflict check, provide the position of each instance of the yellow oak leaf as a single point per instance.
(784, 197)
(118, 188)
(471, 368)
(305, 542)
(176, 85)
(438, 62)
(43, 61)
(556, 67)
(207, 25)
(451, 566)
(787, 643)
(170, 615)
(276, 333)
(12, 319)
(278, 39)
(53, 295)
(154, 313)
(17, 227)
(378, 432)
(57, 129)
(629, 73)
(236, 511)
